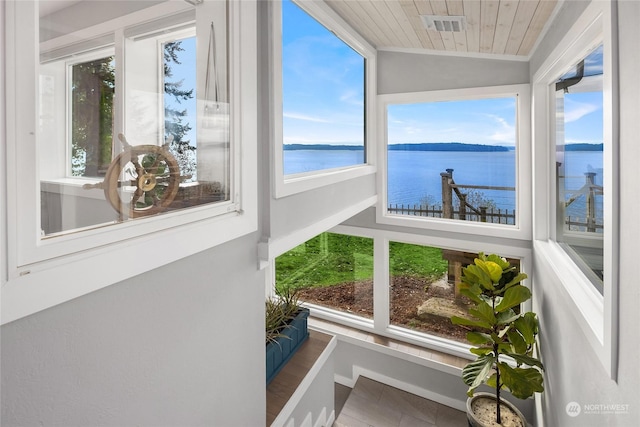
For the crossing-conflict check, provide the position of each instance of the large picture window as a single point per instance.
(458, 160)
(453, 159)
(334, 272)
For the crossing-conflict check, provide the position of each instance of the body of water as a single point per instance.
(414, 176)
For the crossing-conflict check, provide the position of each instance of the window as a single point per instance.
(458, 155)
(323, 96)
(576, 176)
(579, 165)
(323, 89)
(146, 161)
(125, 138)
(331, 270)
(453, 159)
(424, 289)
(415, 286)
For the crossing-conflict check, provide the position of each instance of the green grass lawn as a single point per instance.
(330, 259)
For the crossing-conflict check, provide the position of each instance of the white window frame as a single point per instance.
(41, 273)
(596, 314)
(522, 228)
(286, 185)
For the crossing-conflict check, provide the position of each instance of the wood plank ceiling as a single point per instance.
(503, 27)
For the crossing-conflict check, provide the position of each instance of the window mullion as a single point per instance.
(120, 91)
(381, 284)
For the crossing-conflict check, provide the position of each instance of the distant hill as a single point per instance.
(446, 146)
(584, 147)
(321, 147)
(437, 146)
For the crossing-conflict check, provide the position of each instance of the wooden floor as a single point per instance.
(373, 404)
(280, 390)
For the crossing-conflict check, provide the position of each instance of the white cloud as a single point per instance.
(297, 116)
(505, 133)
(576, 110)
(352, 97)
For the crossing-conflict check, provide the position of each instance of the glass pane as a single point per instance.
(424, 289)
(332, 270)
(322, 96)
(92, 92)
(180, 104)
(129, 127)
(579, 165)
(454, 160)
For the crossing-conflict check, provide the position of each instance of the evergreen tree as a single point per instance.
(92, 91)
(175, 128)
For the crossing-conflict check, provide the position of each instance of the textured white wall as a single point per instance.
(178, 346)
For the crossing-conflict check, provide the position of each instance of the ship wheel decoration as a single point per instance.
(142, 180)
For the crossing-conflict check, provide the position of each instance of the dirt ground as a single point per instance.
(407, 295)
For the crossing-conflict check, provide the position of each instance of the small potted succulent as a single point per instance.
(285, 329)
(504, 338)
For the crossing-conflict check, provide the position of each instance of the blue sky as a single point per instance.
(323, 92)
(323, 84)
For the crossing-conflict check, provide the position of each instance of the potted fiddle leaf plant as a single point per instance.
(285, 329)
(505, 341)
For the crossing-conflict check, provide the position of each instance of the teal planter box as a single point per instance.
(280, 351)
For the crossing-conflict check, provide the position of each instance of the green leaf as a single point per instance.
(521, 382)
(481, 351)
(518, 343)
(513, 296)
(491, 382)
(528, 327)
(503, 263)
(506, 317)
(482, 276)
(483, 311)
(478, 338)
(473, 296)
(494, 271)
(477, 372)
(470, 322)
(517, 279)
(526, 360)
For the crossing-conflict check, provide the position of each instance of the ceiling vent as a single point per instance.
(444, 23)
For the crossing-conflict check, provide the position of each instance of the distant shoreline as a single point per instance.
(436, 146)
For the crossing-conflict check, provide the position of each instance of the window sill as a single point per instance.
(72, 187)
(287, 185)
(427, 357)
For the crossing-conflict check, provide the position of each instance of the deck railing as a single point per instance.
(464, 210)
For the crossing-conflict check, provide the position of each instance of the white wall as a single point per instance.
(178, 346)
(400, 72)
(181, 345)
(573, 371)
